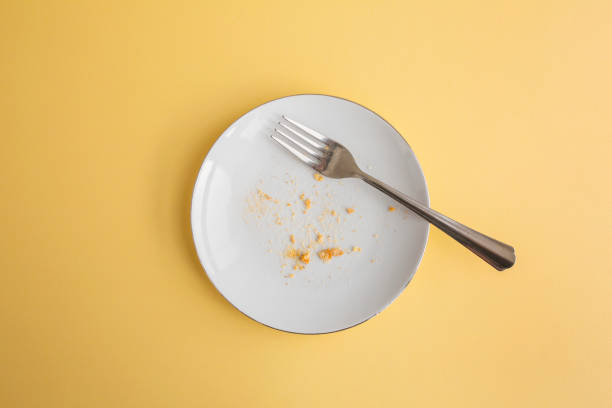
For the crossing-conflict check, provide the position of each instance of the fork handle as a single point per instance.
(495, 253)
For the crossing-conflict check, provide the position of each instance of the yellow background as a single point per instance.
(108, 108)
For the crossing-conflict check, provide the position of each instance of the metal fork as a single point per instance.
(331, 159)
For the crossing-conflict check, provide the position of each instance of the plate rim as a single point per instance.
(204, 263)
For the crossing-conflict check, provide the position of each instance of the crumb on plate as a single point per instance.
(391, 208)
(318, 177)
(329, 253)
(350, 210)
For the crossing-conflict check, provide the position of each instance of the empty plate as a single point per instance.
(257, 210)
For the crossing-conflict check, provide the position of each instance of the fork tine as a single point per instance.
(296, 152)
(299, 141)
(308, 130)
(316, 143)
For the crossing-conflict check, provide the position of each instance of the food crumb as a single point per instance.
(333, 213)
(291, 275)
(375, 236)
(328, 254)
(307, 203)
(350, 210)
(305, 257)
(319, 238)
(356, 249)
(292, 253)
(391, 208)
(288, 204)
(318, 177)
(372, 260)
(292, 239)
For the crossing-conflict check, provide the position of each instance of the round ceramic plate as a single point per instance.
(250, 200)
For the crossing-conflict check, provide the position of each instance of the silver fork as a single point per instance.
(331, 159)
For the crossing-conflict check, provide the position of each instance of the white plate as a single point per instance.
(241, 244)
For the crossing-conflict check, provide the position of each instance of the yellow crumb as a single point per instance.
(391, 208)
(307, 203)
(267, 197)
(290, 275)
(295, 267)
(292, 239)
(319, 238)
(356, 249)
(288, 204)
(350, 210)
(302, 196)
(305, 257)
(292, 253)
(327, 254)
(318, 177)
(333, 213)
